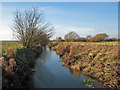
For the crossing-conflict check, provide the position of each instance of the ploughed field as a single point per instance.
(97, 60)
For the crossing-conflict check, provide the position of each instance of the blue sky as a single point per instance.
(84, 18)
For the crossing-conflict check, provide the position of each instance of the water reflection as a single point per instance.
(87, 81)
(76, 73)
(49, 73)
(42, 75)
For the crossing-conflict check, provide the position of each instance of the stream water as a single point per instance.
(49, 73)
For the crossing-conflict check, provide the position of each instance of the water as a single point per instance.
(49, 73)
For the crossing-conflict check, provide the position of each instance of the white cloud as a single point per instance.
(77, 29)
(6, 35)
(60, 31)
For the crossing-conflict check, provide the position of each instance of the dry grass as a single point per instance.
(97, 60)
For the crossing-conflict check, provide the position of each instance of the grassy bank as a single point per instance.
(97, 60)
(17, 64)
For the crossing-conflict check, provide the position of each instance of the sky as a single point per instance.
(84, 18)
(60, 0)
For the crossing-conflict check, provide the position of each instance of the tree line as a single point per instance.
(74, 37)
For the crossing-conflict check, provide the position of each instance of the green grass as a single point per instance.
(10, 44)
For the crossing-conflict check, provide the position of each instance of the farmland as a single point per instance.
(10, 44)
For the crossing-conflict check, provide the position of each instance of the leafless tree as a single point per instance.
(59, 39)
(31, 28)
(88, 37)
(71, 36)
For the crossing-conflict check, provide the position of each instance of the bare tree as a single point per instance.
(59, 39)
(31, 28)
(71, 36)
(88, 37)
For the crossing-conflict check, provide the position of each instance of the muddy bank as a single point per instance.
(17, 67)
(99, 61)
